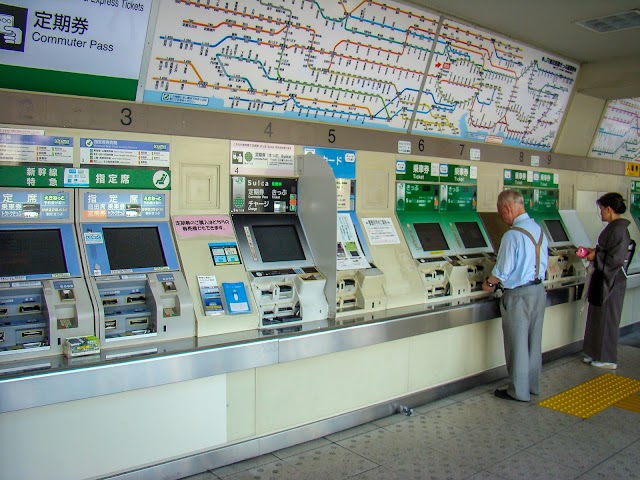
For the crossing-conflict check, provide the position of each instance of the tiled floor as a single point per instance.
(474, 436)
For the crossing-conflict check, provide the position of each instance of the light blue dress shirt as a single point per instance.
(516, 263)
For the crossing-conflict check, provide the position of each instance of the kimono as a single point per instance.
(606, 292)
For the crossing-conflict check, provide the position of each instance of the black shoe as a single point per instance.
(504, 395)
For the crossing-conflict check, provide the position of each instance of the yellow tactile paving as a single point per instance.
(630, 403)
(593, 396)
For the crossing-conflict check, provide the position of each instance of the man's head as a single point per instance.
(510, 205)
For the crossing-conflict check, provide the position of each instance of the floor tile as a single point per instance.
(244, 465)
(614, 440)
(279, 470)
(433, 405)
(351, 432)
(379, 473)
(381, 446)
(577, 454)
(202, 476)
(621, 466)
(429, 464)
(302, 448)
(525, 466)
(331, 461)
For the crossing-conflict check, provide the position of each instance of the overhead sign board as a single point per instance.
(79, 47)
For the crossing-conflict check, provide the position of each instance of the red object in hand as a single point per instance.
(582, 252)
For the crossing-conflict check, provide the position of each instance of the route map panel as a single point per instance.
(357, 63)
(486, 88)
(343, 62)
(618, 136)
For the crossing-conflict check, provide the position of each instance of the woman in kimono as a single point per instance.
(608, 284)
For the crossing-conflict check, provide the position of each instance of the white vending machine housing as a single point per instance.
(137, 286)
(287, 286)
(44, 297)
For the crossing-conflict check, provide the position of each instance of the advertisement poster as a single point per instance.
(350, 255)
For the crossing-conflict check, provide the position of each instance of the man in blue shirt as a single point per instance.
(520, 268)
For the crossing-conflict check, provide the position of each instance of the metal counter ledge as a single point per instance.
(56, 379)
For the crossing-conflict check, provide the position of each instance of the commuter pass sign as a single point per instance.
(91, 48)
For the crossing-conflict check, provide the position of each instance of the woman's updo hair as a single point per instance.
(613, 200)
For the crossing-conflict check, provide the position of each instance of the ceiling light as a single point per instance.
(612, 23)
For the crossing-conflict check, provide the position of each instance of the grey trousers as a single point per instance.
(522, 312)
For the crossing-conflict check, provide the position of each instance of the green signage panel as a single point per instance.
(458, 198)
(545, 180)
(529, 178)
(635, 202)
(546, 200)
(540, 200)
(514, 178)
(55, 177)
(129, 178)
(460, 174)
(35, 177)
(417, 197)
(417, 171)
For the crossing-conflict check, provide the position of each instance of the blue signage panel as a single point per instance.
(342, 162)
(25, 205)
(97, 205)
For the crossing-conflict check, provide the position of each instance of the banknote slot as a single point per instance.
(349, 303)
(439, 292)
(286, 291)
(143, 331)
(29, 308)
(138, 321)
(109, 301)
(32, 333)
(285, 312)
(32, 345)
(136, 299)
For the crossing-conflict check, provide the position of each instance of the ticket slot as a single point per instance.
(29, 308)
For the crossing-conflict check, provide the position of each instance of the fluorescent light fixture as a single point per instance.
(612, 23)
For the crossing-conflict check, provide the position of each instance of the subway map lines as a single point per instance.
(351, 62)
(618, 136)
(486, 88)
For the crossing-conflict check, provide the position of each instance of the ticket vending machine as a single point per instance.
(541, 196)
(564, 265)
(453, 256)
(360, 285)
(287, 286)
(451, 248)
(43, 295)
(138, 289)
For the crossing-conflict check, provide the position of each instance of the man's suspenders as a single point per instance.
(537, 245)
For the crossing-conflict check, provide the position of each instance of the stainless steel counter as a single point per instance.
(57, 379)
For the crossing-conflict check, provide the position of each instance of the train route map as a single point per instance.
(344, 62)
(618, 135)
(486, 88)
(357, 63)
